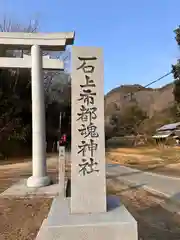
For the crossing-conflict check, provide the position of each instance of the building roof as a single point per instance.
(163, 134)
(171, 126)
(177, 132)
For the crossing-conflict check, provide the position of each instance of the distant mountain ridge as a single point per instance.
(148, 99)
(157, 103)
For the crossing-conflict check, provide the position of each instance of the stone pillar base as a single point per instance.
(36, 182)
(115, 224)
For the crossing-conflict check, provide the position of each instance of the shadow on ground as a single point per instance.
(154, 222)
(161, 169)
(68, 188)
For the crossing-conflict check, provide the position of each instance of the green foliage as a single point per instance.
(177, 32)
(176, 74)
(176, 91)
(176, 71)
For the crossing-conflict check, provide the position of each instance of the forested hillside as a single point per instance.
(134, 106)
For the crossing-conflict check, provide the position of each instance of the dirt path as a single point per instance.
(11, 173)
(26, 163)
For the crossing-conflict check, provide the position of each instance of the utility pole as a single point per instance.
(61, 115)
(60, 121)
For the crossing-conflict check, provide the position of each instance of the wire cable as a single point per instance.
(157, 80)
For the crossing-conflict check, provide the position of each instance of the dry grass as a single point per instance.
(144, 158)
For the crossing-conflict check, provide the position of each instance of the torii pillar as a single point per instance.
(36, 41)
(39, 168)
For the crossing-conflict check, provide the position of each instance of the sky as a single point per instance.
(136, 35)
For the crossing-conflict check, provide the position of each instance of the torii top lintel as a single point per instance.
(47, 41)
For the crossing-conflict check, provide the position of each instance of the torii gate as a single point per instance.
(36, 42)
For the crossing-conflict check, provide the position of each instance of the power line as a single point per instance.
(167, 74)
(130, 94)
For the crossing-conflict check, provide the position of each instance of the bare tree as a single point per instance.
(8, 26)
(49, 75)
(11, 124)
(15, 80)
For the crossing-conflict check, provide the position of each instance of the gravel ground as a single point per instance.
(21, 218)
(154, 222)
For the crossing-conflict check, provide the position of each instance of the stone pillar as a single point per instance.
(39, 176)
(88, 214)
(88, 175)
